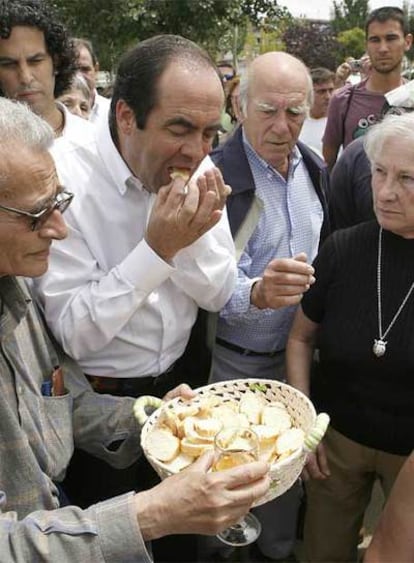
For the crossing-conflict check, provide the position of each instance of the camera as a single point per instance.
(355, 65)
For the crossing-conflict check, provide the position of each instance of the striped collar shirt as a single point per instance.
(289, 223)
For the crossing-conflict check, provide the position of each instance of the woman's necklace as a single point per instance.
(380, 345)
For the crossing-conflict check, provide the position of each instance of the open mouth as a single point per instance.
(179, 172)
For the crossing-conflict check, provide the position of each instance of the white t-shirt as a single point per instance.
(312, 132)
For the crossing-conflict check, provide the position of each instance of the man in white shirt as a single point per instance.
(38, 63)
(89, 67)
(314, 126)
(135, 267)
(143, 251)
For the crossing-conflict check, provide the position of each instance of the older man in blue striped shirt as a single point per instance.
(278, 214)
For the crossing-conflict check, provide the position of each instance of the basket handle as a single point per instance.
(317, 432)
(142, 403)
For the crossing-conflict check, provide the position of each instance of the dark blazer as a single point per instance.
(232, 161)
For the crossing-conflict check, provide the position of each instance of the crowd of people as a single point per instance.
(284, 256)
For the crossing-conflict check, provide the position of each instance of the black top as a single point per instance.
(370, 400)
(350, 196)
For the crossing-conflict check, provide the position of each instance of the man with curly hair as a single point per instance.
(37, 60)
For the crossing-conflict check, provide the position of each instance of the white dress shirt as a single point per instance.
(113, 303)
(100, 108)
(74, 128)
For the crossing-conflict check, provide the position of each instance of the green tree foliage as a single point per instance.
(113, 25)
(352, 43)
(349, 14)
(312, 42)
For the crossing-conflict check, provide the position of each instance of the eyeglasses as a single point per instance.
(60, 202)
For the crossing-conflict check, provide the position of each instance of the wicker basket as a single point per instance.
(284, 473)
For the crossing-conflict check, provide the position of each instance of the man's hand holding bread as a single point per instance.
(184, 210)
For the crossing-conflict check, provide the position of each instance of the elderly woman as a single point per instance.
(77, 97)
(360, 316)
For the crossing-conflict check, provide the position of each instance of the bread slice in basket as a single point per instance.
(186, 430)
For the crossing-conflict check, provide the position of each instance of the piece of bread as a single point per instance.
(169, 419)
(226, 415)
(183, 173)
(180, 462)
(182, 410)
(207, 403)
(162, 444)
(207, 427)
(194, 449)
(289, 441)
(266, 434)
(267, 453)
(276, 417)
(191, 433)
(252, 405)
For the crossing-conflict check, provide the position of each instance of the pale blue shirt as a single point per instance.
(290, 222)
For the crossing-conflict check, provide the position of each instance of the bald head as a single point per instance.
(277, 70)
(276, 95)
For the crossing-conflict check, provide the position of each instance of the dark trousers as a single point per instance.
(90, 480)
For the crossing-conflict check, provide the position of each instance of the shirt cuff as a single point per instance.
(143, 269)
(118, 529)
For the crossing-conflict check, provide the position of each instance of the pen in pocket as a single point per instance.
(54, 387)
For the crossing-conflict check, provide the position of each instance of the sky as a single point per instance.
(321, 9)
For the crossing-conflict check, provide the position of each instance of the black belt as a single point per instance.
(245, 351)
(128, 385)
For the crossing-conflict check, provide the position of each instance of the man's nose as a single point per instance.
(25, 74)
(280, 122)
(383, 45)
(54, 226)
(196, 148)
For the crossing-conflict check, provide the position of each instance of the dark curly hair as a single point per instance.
(38, 14)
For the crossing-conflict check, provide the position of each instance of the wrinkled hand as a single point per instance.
(183, 390)
(198, 502)
(182, 213)
(284, 282)
(316, 465)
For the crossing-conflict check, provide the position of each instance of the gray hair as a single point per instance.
(19, 124)
(392, 126)
(79, 83)
(246, 77)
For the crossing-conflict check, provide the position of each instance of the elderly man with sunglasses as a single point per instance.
(47, 406)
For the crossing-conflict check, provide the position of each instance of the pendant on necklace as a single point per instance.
(379, 347)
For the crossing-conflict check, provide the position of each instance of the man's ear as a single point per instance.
(96, 67)
(125, 118)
